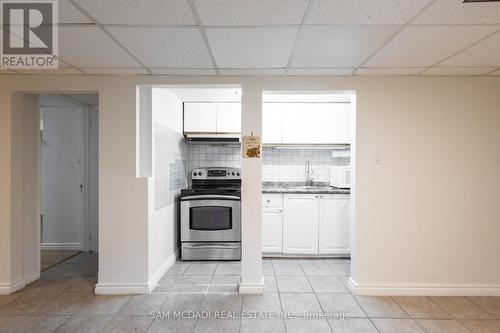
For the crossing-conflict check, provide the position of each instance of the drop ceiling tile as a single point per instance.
(339, 46)
(455, 11)
(320, 71)
(423, 46)
(148, 12)
(115, 71)
(389, 71)
(91, 47)
(485, 53)
(68, 13)
(165, 47)
(184, 71)
(364, 11)
(251, 48)
(250, 12)
(252, 71)
(495, 72)
(447, 71)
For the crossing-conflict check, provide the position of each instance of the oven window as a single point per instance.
(210, 218)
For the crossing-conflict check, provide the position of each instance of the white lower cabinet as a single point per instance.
(300, 224)
(334, 224)
(306, 224)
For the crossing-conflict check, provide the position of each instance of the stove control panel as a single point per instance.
(216, 173)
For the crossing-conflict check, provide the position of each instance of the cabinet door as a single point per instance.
(228, 117)
(272, 222)
(316, 123)
(200, 117)
(334, 224)
(300, 224)
(271, 122)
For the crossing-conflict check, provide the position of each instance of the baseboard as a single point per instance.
(421, 290)
(9, 288)
(61, 246)
(153, 282)
(121, 289)
(246, 288)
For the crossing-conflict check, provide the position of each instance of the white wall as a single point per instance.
(168, 146)
(426, 217)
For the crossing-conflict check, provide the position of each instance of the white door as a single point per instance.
(334, 224)
(271, 122)
(300, 224)
(62, 177)
(272, 222)
(228, 117)
(200, 117)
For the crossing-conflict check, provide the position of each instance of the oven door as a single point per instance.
(210, 218)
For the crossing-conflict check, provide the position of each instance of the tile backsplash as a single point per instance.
(201, 156)
(288, 165)
(278, 164)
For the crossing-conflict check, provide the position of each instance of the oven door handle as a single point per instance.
(204, 246)
(211, 197)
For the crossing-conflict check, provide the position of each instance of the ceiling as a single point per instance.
(278, 37)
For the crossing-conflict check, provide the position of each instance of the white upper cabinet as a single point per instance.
(212, 117)
(200, 117)
(228, 117)
(306, 123)
(271, 122)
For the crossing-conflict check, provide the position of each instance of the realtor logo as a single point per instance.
(29, 34)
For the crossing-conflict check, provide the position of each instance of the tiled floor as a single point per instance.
(310, 290)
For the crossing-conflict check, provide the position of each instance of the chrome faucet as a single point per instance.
(309, 174)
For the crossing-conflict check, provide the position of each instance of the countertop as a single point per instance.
(316, 188)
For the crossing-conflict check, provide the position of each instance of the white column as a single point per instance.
(252, 281)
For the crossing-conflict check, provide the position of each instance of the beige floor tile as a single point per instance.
(327, 284)
(100, 305)
(461, 308)
(316, 268)
(172, 325)
(223, 288)
(217, 325)
(66, 304)
(352, 325)
(121, 324)
(300, 325)
(293, 284)
(143, 305)
(288, 269)
(178, 268)
(201, 269)
(380, 306)
(396, 325)
(228, 268)
(222, 302)
(29, 303)
(299, 304)
(267, 268)
(12, 323)
(269, 302)
(225, 279)
(41, 324)
(5, 299)
(185, 279)
(84, 324)
(343, 269)
(340, 304)
(262, 325)
(488, 303)
(183, 302)
(270, 284)
(482, 326)
(441, 326)
(421, 307)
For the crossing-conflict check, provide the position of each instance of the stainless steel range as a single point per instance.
(211, 215)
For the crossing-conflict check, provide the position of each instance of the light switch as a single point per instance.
(378, 158)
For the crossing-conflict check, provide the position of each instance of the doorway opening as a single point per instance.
(308, 183)
(68, 176)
